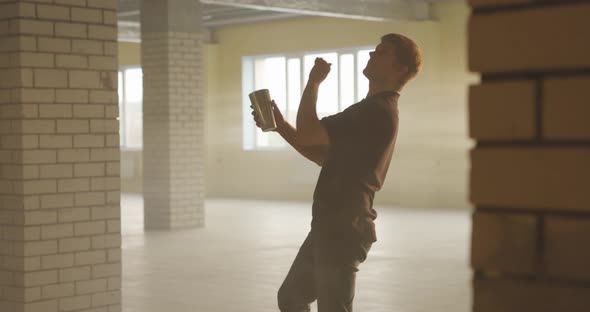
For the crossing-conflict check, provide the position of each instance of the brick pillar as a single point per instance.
(173, 147)
(530, 175)
(59, 157)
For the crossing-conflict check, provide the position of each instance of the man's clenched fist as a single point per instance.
(320, 71)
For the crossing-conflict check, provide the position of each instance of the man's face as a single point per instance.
(381, 62)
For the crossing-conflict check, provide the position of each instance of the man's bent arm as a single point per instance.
(315, 153)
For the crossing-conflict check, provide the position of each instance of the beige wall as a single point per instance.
(429, 168)
(129, 54)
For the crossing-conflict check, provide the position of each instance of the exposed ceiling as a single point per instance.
(218, 13)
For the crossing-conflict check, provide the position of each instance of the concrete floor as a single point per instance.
(238, 261)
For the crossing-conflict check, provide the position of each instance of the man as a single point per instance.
(354, 149)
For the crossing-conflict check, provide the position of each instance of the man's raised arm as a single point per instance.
(309, 129)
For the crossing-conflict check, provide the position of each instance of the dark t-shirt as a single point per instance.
(362, 139)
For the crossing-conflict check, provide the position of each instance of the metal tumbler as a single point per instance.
(262, 105)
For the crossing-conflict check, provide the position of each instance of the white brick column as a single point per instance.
(59, 157)
(173, 147)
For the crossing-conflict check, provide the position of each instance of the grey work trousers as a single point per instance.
(323, 270)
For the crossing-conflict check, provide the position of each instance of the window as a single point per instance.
(286, 75)
(131, 108)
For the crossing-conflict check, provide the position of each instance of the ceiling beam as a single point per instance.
(374, 10)
(128, 13)
(247, 19)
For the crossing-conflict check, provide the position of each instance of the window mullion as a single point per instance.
(355, 76)
(339, 83)
(123, 108)
(287, 99)
(255, 133)
(302, 78)
(302, 66)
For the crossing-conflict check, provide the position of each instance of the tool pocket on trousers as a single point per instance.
(365, 229)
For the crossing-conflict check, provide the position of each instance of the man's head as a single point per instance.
(396, 58)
